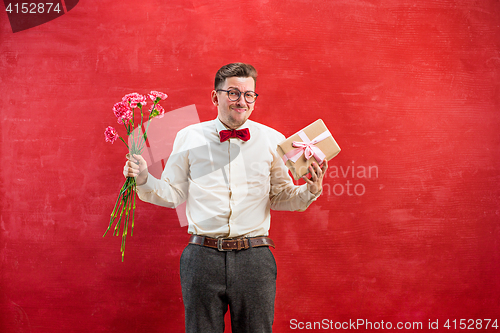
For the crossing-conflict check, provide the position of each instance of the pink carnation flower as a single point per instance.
(156, 94)
(128, 97)
(134, 99)
(110, 134)
(157, 111)
(122, 112)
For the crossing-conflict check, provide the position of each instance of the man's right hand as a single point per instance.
(137, 167)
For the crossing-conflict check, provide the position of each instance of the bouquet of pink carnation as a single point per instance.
(123, 212)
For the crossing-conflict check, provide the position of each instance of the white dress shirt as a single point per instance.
(229, 187)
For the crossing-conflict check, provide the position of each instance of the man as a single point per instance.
(230, 174)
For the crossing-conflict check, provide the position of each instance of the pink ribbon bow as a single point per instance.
(307, 148)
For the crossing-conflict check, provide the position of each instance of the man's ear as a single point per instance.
(215, 98)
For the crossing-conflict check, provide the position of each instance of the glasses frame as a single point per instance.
(239, 95)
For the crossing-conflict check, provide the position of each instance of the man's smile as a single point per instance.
(239, 110)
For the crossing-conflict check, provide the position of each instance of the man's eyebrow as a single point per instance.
(231, 87)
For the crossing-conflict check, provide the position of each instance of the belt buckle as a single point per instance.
(219, 245)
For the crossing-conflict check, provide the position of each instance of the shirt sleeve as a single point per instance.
(284, 194)
(171, 190)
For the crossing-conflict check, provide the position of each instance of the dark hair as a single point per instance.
(237, 69)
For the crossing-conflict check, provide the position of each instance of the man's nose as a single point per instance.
(241, 101)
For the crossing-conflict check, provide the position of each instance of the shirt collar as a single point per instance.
(219, 126)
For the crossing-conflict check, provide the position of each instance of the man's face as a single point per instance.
(234, 114)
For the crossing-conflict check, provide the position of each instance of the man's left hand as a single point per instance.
(315, 183)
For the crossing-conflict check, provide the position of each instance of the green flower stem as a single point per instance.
(142, 114)
(146, 130)
(113, 214)
(125, 225)
(116, 209)
(132, 126)
(134, 196)
(122, 206)
(149, 118)
(124, 142)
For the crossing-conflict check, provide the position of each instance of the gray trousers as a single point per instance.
(244, 280)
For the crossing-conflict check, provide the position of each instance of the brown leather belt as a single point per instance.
(229, 244)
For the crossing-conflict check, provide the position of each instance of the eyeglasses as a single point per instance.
(235, 94)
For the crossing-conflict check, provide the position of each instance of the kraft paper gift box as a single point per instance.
(313, 143)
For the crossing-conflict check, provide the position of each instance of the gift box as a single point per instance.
(313, 143)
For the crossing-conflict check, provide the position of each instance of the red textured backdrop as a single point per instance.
(410, 90)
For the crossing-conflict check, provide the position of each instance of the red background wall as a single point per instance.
(408, 88)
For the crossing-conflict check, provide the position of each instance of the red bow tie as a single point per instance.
(242, 134)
